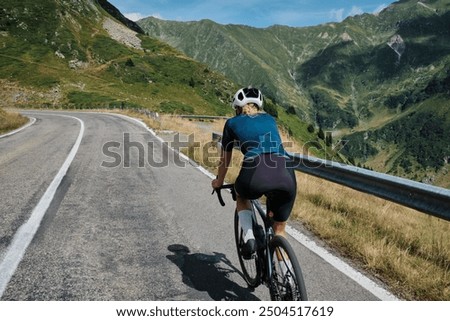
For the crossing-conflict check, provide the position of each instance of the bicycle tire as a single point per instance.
(280, 286)
(251, 268)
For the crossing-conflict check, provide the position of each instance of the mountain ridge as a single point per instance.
(351, 78)
(83, 54)
(79, 54)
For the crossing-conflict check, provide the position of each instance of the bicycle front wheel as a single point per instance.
(286, 283)
(251, 268)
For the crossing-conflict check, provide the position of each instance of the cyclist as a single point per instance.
(265, 167)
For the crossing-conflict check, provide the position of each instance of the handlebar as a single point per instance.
(219, 194)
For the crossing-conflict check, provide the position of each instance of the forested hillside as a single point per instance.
(362, 79)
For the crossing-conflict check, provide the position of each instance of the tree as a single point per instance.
(270, 108)
(329, 139)
(321, 134)
(192, 82)
(129, 63)
(291, 110)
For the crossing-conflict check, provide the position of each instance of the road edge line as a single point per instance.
(25, 234)
(30, 122)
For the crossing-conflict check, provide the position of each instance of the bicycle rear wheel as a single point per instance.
(251, 267)
(287, 282)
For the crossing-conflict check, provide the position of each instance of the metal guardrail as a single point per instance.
(422, 197)
(203, 117)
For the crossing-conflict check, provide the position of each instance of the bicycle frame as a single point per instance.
(268, 235)
(268, 231)
(269, 245)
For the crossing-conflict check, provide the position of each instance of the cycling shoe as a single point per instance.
(248, 249)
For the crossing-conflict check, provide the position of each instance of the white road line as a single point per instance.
(186, 158)
(30, 122)
(26, 232)
(343, 267)
(340, 265)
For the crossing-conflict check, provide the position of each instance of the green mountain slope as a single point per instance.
(76, 54)
(355, 78)
(86, 54)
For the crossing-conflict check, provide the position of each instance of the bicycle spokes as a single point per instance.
(285, 279)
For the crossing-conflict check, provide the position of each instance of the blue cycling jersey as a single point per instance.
(256, 134)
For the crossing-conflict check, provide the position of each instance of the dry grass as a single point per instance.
(408, 250)
(10, 121)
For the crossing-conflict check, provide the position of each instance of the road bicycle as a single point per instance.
(274, 263)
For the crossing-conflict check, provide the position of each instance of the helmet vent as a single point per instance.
(246, 96)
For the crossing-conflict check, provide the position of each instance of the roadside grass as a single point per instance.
(408, 250)
(10, 121)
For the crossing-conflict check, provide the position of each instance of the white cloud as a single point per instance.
(337, 15)
(355, 11)
(134, 16)
(157, 16)
(380, 8)
(340, 14)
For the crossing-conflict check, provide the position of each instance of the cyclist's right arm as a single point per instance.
(225, 160)
(227, 143)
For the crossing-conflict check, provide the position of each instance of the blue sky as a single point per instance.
(256, 13)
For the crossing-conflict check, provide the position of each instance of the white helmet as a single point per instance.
(246, 96)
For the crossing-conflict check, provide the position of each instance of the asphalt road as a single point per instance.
(146, 228)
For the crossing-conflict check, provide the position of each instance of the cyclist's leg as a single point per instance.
(279, 228)
(282, 202)
(245, 214)
(242, 203)
(280, 207)
(248, 258)
(244, 208)
(287, 269)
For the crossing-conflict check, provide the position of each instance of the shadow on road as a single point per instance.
(209, 273)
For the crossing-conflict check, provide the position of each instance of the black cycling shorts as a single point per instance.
(271, 175)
